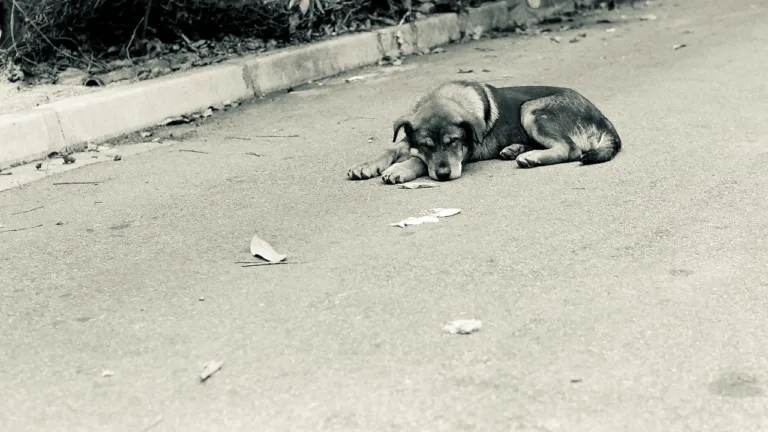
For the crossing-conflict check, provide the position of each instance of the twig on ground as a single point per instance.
(22, 229)
(253, 154)
(252, 264)
(27, 211)
(276, 136)
(77, 183)
(237, 138)
(153, 425)
(193, 151)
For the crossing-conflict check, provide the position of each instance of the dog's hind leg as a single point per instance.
(512, 151)
(545, 129)
(374, 167)
(571, 128)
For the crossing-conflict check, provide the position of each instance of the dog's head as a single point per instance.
(440, 137)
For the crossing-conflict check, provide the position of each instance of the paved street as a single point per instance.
(628, 296)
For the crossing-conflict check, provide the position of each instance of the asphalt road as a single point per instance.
(628, 296)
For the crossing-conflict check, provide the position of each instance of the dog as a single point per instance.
(460, 122)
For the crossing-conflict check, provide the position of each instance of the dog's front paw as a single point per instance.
(397, 174)
(364, 171)
(527, 160)
(512, 152)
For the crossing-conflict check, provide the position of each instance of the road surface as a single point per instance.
(628, 296)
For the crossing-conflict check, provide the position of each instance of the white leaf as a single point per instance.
(291, 4)
(414, 185)
(443, 212)
(263, 249)
(304, 6)
(210, 368)
(415, 221)
(463, 326)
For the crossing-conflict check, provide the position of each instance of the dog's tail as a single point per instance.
(603, 151)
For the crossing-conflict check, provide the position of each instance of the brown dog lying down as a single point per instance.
(460, 122)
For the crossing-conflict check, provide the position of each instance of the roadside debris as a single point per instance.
(68, 159)
(77, 183)
(555, 39)
(416, 185)
(430, 216)
(463, 326)
(145, 134)
(107, 373)
(173, 121)
(193, 151)
(38, 166)
(21, 229)
(437, 50)
(677, 47)
(27, 211)
(253, 154)
(262, 249)
(465, 71)
(610, 30)
(649, 17)
(209, 369)
(355, 78)
(5, 172)
(117, 158)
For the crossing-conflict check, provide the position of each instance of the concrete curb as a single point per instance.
(96, 117)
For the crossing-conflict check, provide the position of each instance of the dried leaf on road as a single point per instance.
(415, 185)
(437, 50)
(107, 373)
(261, 248)
(415, 221)
(465, 71)
(145, 134)
(463, 326)
(555, 39)
(649, 17)
(39, 165)
(210, 368)
(207, 113)
(610, 30)
(173, 121)
(68, 159)
(443, 212)
(355, 78)
(677, 47)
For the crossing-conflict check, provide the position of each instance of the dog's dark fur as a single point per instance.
(461, 122)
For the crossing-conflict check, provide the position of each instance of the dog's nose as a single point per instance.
(443, 173)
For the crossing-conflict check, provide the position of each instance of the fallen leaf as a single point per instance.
(486, 70)
(107, 373)
(262, 249)
(208, 112)
(117, 158)
(173, 121)
(677, 47)
(397, 62)
(463, 326)
(465, 71)
(68, 159)
(610, 30)
(582, 34)
(555, 39)
(574, 40)
(649, 17)
(210, 368)
(415, 221)
(414, 185)
(146, 134)
(39, 165)
(443, 212)
(437, 50)
(355, 78)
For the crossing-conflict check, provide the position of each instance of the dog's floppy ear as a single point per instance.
(470, 131)
(402, 122)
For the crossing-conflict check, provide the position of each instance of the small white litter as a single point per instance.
(463, 326)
